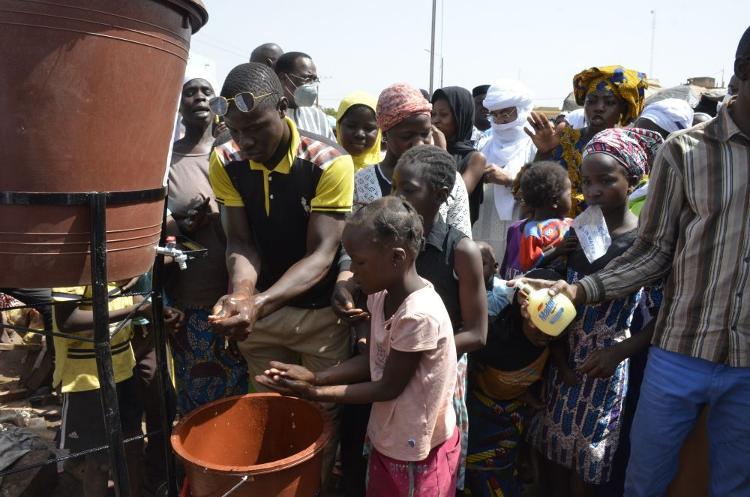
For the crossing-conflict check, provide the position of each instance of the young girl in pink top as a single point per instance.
(409, 373)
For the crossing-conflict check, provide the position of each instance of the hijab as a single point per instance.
(462, 105)
(372, 155)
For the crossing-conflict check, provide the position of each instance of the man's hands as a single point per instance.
(234, 315)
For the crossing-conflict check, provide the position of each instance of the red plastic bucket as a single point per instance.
(257, 444)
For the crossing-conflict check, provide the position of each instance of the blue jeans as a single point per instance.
(674, 390)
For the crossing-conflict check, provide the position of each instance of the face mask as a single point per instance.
(504, 128)
(306, 95)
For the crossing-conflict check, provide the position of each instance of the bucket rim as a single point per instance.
(295, 459)
(195, 10)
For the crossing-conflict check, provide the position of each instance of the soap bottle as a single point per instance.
(550, 314)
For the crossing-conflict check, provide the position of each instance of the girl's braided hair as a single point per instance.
(438, 167)
(394, 221)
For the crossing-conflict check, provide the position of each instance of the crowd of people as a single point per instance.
(370, 264)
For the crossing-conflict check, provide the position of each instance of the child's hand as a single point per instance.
(342, 303)
(290, 371)
(286, 386)
(568, 245)
(531, 400)
(173, 319)
(602, 363)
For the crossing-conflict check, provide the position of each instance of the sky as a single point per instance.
(368, 45)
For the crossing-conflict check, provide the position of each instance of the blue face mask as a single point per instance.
(306, 95)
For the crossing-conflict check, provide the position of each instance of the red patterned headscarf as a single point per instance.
(398, 102)
(634, 148)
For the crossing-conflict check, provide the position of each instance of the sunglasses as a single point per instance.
(245, 102)
(503, 115)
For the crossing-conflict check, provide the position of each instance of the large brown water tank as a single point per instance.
(88, 90)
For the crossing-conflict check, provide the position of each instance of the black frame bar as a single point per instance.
(97, 203)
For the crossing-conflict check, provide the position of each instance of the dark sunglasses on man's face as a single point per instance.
(245, 102)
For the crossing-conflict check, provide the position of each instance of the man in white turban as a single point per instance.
(509, 103)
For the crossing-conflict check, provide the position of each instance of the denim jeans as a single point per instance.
(675, 389)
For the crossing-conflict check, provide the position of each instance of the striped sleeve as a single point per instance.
(651, 255)
(222, 186)
(335, 189)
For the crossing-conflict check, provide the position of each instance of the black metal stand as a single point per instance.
(97, 202)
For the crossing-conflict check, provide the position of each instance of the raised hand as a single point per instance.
(545, 136)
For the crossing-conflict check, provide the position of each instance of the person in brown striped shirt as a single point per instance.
(694, 231)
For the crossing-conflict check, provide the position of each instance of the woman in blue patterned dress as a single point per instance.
(578, 430)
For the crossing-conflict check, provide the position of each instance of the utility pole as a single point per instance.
(653, 42)
(432, 48)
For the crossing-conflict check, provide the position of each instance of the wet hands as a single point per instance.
(234, 315)
(289, 379)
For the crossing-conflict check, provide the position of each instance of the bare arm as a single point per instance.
(399, 369)
(243, 262)
(474, 170)
(323, 239)
(472, 296)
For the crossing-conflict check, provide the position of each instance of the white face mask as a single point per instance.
(306, 95)
(501, 129)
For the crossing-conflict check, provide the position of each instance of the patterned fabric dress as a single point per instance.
(204, 370)
(580, 425)
(569, 154)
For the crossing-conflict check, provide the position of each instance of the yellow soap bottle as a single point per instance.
(550, 314)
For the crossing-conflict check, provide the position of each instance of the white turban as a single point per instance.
(670, 114)
(505, 93)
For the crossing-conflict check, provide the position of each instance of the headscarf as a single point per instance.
(626, 84)
(399, 102)
(670, 114)
(633, 148)
(509, 147)
(372, 155)
(462, 105)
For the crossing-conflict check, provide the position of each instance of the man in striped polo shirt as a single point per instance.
(284, 197)
(694, 231)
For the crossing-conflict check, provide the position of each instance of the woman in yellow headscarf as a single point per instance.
(357, 130)
(610, 96)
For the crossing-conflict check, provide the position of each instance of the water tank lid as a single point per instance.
(195, 10)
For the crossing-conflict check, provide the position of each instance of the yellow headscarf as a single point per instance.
(625, 83)
(372, 155)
